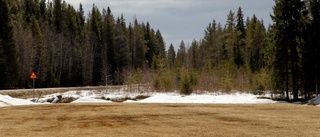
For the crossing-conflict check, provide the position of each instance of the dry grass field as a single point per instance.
(125, 119)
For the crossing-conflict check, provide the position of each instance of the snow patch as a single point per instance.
(314, 101)
(235, 98)
(6, 100)
(89, 100)
(92, 96)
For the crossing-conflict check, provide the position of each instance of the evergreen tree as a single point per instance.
(310, 48)
(109, 47)
(193, 55)
(256, 43)
(9, 65)
(171, 56)
(230, 36)
(28, 10)
(121, 51)
(181, 55)
(96, 44)
(211, 47)
(43, 10)
(149, 37)
(238, 50)
(315, 15)
(139, 45)
(161, 45)
(57, 12)
(287, 17)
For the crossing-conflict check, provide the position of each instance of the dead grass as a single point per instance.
(123, 119)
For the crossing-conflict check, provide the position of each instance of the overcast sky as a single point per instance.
(180, 19)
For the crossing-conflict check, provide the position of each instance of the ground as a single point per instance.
(139, 119)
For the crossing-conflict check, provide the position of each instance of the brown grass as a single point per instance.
(123, 119)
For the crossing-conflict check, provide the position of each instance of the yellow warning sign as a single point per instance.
(33, 75)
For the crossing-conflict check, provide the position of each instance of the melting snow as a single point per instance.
(6, 100)
(315, 101)
(94, 96)
(236, 98)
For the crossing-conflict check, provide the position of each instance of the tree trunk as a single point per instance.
(287, 74)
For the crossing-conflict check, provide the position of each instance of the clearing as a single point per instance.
(139, 119)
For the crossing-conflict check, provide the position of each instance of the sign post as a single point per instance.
(33, 76)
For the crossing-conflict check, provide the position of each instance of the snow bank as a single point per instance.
(236, 98)
(89, 100)
(314, 101)
(136, 97)
(6, 100)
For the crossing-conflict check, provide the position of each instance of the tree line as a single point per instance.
(66, 48)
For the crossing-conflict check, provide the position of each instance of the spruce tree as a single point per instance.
(181, 55)
(96, 44)
(171, 56)
(139, 45)
(121, 50)
(310, 49)
(109, 48)
(255, 44)
(229, 37)
(239, 46)
(211, 47)
(315, 14)
(57, 13)
(149, 37)
(43, 9)
(161, 45)
(193, 55)
(9, 66)
(287, 24)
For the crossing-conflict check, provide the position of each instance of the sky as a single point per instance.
(180, 19)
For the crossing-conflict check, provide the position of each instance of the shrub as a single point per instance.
(156, 83)
(186, 85)
(167, 80)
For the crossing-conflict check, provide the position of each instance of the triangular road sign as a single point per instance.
(33, 75)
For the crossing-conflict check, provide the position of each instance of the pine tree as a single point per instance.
(161, 45)
(310, 49)
(139, 45)
(211, 46)
(181, 55)
(9, 65)
(96, 44)
(149, 37)
(315, 14)
(57, 12)
(230, 36)
(256, 43)
(287, 18)
(193, 55)
(121, 49)
(171, 56)
(43, 9)
(109, 47)
(238, 50)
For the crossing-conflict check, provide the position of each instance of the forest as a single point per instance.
(67, 48)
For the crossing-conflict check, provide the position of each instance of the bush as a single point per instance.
(262, 80)
(167, 80)
(186, 86)
(156, 83)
